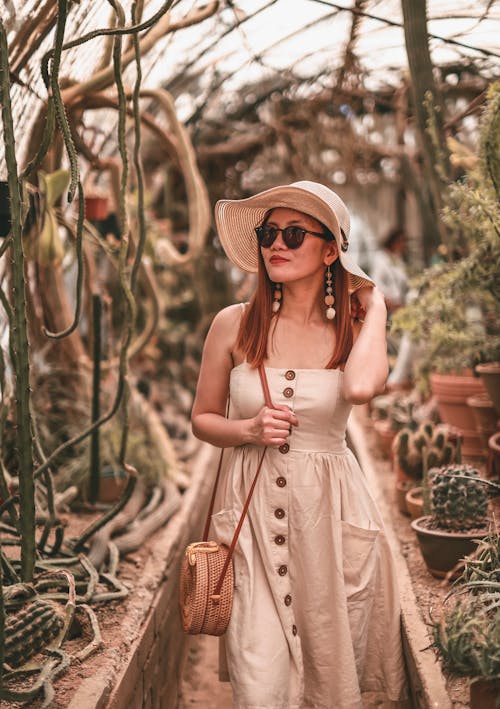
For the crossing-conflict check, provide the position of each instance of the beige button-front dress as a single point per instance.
(315, 619)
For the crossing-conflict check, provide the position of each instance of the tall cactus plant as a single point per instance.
(18, 328)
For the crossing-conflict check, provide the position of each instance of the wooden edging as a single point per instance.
(427, 683)
(150, 673)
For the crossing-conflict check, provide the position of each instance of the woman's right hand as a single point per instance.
(271, 427)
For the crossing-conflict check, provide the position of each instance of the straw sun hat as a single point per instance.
(236, 220)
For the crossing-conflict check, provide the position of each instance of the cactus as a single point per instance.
(30, 630)
(459, 497)
(467, 636)
(428, 444)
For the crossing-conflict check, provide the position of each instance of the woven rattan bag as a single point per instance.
(206, 580)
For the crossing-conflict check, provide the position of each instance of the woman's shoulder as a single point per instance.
(227, 320)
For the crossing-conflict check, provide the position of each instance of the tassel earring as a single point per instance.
(329, 298)
(277, 297)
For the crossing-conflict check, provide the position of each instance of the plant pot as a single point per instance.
(96, 208)
(485, 693)
(403, 488)
(385, 436)
(493, 467)
(442, 550)
(414, 501)
(485, 416)
(451, 392)
(111, 484)
(490, 376)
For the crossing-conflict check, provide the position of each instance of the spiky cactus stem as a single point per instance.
(94, 472)
(2, 624)
(18, 329)
(459, 499)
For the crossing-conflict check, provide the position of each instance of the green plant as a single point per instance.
(458, 497)
(424, 444)
(482, 569)
(467, 636)
(30, 630)
(456, 316)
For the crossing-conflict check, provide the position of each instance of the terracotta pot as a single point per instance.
(485, 693)
(385, 436)
(111, 484)
(451, 392)
(493, 467)
(414, 501)
(96, 208)
(441, 549)
(490, 375)
(485, 416)
(403, 488)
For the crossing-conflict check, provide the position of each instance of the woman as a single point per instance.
(315, 619)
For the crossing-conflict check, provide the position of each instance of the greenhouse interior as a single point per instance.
(194, 193)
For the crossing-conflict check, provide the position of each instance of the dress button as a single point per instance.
(294, 629)
(288, 600)
(288, 392)
(284, 448)
(283, 570)
(279, 539)
(280, 482)
(279, 513)
(290, 375)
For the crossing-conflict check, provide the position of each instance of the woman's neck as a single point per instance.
(302, 302)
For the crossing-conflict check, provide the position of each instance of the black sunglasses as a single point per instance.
(293, 236)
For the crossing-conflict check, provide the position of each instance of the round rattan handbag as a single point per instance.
(206, 581)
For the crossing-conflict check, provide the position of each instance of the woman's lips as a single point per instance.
(278, 259)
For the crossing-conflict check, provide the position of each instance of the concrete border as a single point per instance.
(152, 672)
(427, 683)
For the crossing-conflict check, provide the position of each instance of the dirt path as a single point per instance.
(200, 684)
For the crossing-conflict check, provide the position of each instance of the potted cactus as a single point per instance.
(416, 446)
(455, 516)
(467, 633)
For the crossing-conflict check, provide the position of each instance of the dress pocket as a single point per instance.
(224, 525)
(359, 559)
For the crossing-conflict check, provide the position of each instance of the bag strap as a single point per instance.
(216, 594)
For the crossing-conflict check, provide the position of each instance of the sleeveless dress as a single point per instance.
(315, 620)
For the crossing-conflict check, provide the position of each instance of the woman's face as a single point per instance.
(285, 265)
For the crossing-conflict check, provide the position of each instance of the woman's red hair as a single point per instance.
(256, 321)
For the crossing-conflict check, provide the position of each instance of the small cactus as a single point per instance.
(428, 443)
(30, 630)
(459, 498)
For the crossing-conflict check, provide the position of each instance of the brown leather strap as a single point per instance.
(269, 403)
(212, 501)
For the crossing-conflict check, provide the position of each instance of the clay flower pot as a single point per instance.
(451, 392)
(414, 501)
(385, 436)
(484, 693)
(485, 416)
(403, 489)
(442, 550)
(111, 484)
(493, 467)
(96, 208)
(490, 375)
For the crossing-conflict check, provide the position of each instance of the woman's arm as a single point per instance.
(367, 367)
(269, 427)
